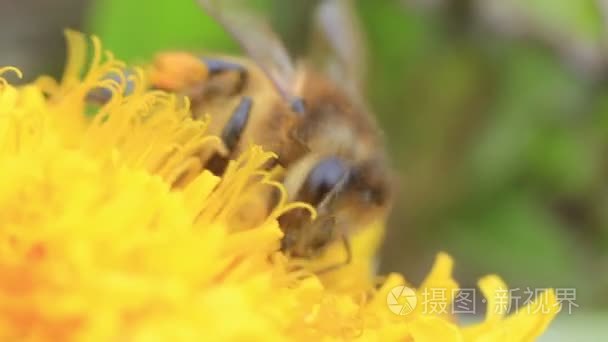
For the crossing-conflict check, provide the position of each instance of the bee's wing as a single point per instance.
(338, 44)
(256, 38)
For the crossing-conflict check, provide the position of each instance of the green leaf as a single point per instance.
(136, 29)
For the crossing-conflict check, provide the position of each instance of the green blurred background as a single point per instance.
(496, 113)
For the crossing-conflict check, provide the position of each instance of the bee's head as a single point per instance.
(347, 196)
(353, 192)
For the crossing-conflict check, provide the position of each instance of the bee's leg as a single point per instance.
(219, 66)
(330, 176)
(101, 96)
(347, 260)
(288, 242)
(314, 239)
(231, 135)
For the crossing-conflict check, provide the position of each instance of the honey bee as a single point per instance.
(311, 113)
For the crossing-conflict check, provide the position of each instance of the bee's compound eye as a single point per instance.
(325, 177)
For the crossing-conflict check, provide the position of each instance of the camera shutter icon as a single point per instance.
(401, 300)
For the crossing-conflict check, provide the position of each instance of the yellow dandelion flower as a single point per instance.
(110, 230)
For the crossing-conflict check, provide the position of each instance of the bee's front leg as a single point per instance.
(231, 135)
(311, 240)
(347, 260)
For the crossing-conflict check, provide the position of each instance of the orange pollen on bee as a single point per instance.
(177, 70)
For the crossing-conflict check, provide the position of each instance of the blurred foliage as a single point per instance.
(500, 141)
(136, 30)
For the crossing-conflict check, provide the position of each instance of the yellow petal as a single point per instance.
(532, 320)
(438, 289)
(431, 329)
(497, 297)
